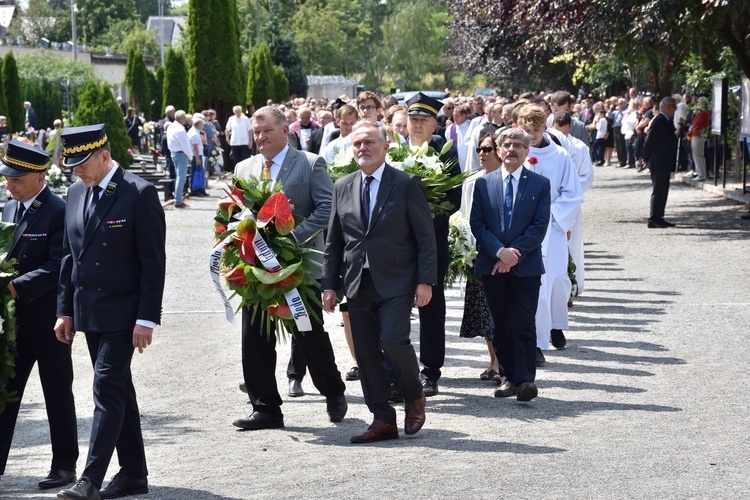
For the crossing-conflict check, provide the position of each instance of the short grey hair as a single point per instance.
(179, 114)
(168, 109)
(513, 133)
(270, 113)
(667, 101)
(366, 124)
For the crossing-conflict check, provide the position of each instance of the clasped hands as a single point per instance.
(508, 258)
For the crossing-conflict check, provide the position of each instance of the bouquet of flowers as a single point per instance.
(462, 253)
(7, 317)
(55, 176)
(215, 158)
(342, 165)
(259, 259)
(424, 162)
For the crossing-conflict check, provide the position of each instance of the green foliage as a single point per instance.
(137, 81)
(284, 53)
(175, 81)
(157, 92)
(12, 87)
(46, 98)
(280, 85)
(98, 105)
(695, 76)
(147, 8)
(260, 78)
(213, 58)
(94, 16)
(124, 35)
(3, 100)
(48, 65)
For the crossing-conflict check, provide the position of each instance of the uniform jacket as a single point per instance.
(114, 272)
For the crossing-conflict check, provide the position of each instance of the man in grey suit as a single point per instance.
(381, 245)
(306, 182)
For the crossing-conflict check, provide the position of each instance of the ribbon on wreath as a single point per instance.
(272, 265)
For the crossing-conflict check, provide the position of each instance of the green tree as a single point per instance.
(94, 16)
(280, 84)
(284, 52)
(3, 100)
(47, 65)
(157, 93)
(12, 87)
(46, 98)
(97, 105)
(175, 81)
(213, 58)
(260, 78)
(136, 79)
(146, 8)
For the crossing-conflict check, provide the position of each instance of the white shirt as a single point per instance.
(374, 186)
(177, 140)
(194, 138)
(26, 204)
(277, 160)
(239, 130)
(335, 146)
(601, 128)
(509, 178)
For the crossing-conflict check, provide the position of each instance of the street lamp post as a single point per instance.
(73, 11)
(161, 31)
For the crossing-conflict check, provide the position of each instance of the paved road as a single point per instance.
(650, 400)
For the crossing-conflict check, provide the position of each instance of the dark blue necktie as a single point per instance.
(508, 205)
(366, 201)
(20, 210)
(91, 207)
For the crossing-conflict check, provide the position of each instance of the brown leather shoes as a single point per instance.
(415, 416)
(378, 431)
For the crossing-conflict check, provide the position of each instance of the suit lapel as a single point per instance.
(28, 217)
(286, 167)
(355, 188)
(102, 207)
(386, 185)
(522, 182)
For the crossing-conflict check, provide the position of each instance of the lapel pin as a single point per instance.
(110, 188)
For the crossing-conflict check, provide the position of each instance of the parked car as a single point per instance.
(484, 92)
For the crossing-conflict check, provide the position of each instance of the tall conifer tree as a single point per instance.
(175, 81)
(12, 87)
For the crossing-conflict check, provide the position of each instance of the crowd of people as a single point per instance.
(528, 162)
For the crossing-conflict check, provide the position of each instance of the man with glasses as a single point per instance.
(509, 218)
(369, 107)
(448, 106)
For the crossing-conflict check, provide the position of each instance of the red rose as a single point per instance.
(533, 160)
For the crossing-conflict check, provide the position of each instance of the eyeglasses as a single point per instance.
(447, 108)
(511, 145)
(485, 150)
(367, 108)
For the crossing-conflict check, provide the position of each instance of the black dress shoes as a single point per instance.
(506, 390)
(243, 387)
(82, 490)
(557, 337)
(295, 388)
(378, 431)
(336, 407)
(527, 391)
(657, 224)
(122, 485)
(58, 478)
(430, 387)
(260, 420)
(353, 374)
(540, 359)
(667, 224)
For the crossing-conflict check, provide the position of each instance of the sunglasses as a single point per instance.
(485, 149)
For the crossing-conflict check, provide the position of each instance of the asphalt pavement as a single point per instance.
(649, 400)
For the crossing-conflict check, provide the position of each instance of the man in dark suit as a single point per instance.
(306, 182)
(381, 245)
(38, 250)
(509, 218)
(30, 115)
(111, 287)
(316, 139)
(421, 114)
(660, 154)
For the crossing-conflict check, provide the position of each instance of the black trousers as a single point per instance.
(56, 375)
(512, 302)
(297, 367)
(117, 422)
(660, 178)
(432, 327)
(239, 153)
(259, 361)
(622, 152)
(381, 327)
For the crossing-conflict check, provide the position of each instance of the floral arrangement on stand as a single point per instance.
(215, 159)
(462, 252)
(424, 162)
(259, 259)
(7, 317)
(55, 177)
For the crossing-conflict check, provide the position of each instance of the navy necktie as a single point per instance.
(19, 212)
(91, 207)
(366, 201)
(508, 205)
